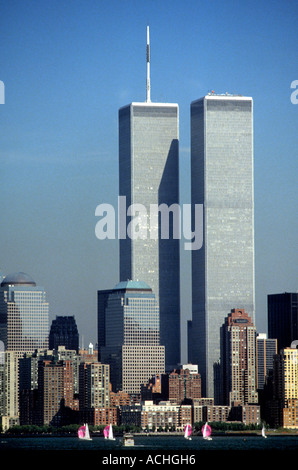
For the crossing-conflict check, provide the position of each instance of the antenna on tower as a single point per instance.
(148, 66)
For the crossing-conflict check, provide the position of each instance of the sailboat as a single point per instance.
(206, 431)
(108, 433)
(83, 433)
(187, 432)
(263, 432)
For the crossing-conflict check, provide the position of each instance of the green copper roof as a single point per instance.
(135, 285)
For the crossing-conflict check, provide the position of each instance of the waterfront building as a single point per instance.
(238, 359)
(164, 415)
(55, 391)
(64, 332)
(283, 318)
(221, 181)
(149, 176)
(29, 368)
(285, 387)
(215, 413)
(132, 341)
(105, 415)
(246, 414)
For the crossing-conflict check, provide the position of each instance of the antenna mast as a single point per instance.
(148, 66)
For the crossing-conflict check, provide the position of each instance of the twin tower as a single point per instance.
(222, 184)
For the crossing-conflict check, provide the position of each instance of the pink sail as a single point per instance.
(206, 430)
(106, 431)
(82, 431)
(187, 430)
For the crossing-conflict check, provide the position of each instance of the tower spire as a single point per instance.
(148, 99)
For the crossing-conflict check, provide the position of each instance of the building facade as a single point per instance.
(24, 314)
(94, 385)
(149, 176)
(238, 360)
(266, 350)
(221, 181)
(283, 318)
(184, 385)
(132, 340)
(24, 327)
(285, 386)
(64, 332)
(55, 391)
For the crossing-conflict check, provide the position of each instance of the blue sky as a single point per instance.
(68, 66)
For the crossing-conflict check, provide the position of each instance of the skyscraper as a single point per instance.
(221, 180)
(149, 175)
(238, 359)
(64, 332)
(285, 386)
(132, 346)
(266, 349)
(24, 314)
(283, 318)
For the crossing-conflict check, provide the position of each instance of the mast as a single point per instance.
(148, 99)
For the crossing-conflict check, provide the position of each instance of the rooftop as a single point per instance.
(133, 285)
(18, 279)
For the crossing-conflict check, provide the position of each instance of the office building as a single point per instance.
(24, 314)
(238, 359)
(64, 332)
(266, 350)
(132, 344)
(24, 327)
(221, 181)
(283, 318)
(149, 176)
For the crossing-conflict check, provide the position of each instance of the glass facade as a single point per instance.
(24, 314)
(149, 174)
(132, 344)
(221, 180)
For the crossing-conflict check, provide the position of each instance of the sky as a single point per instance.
(67, 68)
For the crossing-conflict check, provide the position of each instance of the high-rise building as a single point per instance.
(283, 318)
(24, 314)
(221, 181)
(24, 327)
(266, 350)
(94, 385)
(149, 177)
(55, 391)
(64, 332)
(132, 345)
(285, 386)
(238, 359)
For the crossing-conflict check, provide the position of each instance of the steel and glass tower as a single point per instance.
(132, 345)
(221, 180)
(149, 175)
(24, 314)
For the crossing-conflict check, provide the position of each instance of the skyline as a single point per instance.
(66, 76)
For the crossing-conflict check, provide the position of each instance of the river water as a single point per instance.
(151, 443)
